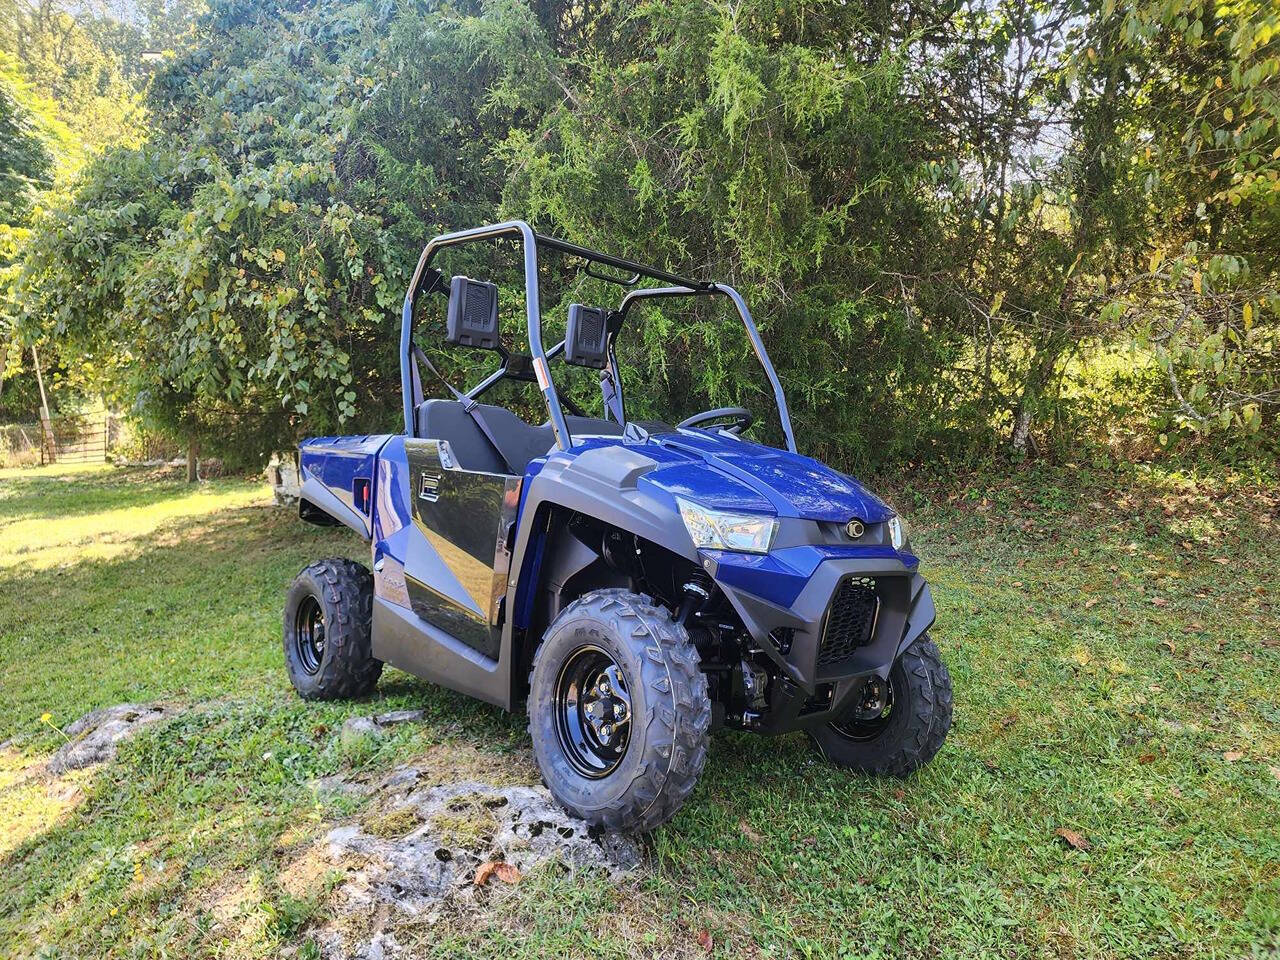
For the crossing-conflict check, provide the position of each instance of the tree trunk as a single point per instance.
(193, 461)
(1039, 376)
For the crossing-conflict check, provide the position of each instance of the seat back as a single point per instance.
(519, 442)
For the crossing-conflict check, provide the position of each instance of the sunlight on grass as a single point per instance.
(31, 803)
(45, 541)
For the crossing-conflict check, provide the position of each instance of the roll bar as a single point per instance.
(529, 242)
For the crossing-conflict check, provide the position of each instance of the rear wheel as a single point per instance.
(618, 711)
(896, 725)
(327, 619)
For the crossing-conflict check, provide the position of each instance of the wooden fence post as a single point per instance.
(46, 422)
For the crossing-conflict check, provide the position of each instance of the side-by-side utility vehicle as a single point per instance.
(635, 585)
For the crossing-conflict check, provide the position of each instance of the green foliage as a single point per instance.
(948, 218)
(26, 163)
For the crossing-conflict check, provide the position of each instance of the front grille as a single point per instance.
(851, 619)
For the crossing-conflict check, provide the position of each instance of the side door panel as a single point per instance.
(455, 569)
(440, 565)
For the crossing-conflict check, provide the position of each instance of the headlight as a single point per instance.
(897, 532)
(717, 530)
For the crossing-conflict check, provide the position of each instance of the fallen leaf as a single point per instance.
(1221, 560)
(1074, 839)
(1017, 583)
(1231, 756)
(705, 941)
(901, 794)
(745, 829)
(505, 872)
(1275, 772)
(1169, 644)
(1159, 602)
(1091, 603)
(1147, 758)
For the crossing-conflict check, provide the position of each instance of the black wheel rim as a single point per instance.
(308, 634)
(593, 712)
(871, 713)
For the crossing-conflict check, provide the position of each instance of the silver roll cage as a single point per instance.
(530, 242)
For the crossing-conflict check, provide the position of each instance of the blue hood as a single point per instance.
(726, 474)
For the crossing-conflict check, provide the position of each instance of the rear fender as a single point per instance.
(338, 481)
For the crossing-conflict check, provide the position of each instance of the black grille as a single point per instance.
(479, 307)
(850, 620)
(591, 328)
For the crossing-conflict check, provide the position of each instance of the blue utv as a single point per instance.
(634, 584)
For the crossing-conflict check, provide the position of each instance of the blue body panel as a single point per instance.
(729, 474)
(338, 472)
(794, 485)
(709, 469)
(371, 484)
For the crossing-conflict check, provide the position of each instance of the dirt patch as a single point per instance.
(421, 851)
(95, 737)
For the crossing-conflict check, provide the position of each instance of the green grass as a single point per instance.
(1113, 640)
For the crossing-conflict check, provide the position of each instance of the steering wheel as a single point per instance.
(742, 418)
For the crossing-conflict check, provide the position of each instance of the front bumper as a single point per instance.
(789, 621)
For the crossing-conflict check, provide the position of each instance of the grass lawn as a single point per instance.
(1115, 649)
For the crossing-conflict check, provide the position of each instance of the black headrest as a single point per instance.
(473, 314)
(587, 336)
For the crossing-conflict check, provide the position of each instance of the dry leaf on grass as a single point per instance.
(1275, 772)
(496, 868)
(705, 941)
(1091, 603)
(746, 831)
(1159, 602)
(1147, 758)
(1221, 560)
(1074, 839)
(1231, 756)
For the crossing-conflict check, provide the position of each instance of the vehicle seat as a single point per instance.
(592, 427)
(520, 442)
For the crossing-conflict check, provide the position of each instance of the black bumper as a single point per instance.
(815, 686)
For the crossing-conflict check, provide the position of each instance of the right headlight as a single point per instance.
(897, 532)
(718, 530)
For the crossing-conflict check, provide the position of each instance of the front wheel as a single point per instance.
(896, 725)
(618, 711)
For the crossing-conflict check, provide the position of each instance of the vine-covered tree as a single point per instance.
(962, 225)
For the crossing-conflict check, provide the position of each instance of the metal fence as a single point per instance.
(83, 439)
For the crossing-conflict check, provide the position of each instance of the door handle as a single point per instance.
(429, 487)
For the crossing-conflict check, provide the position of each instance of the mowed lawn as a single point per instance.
(1115, 649)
